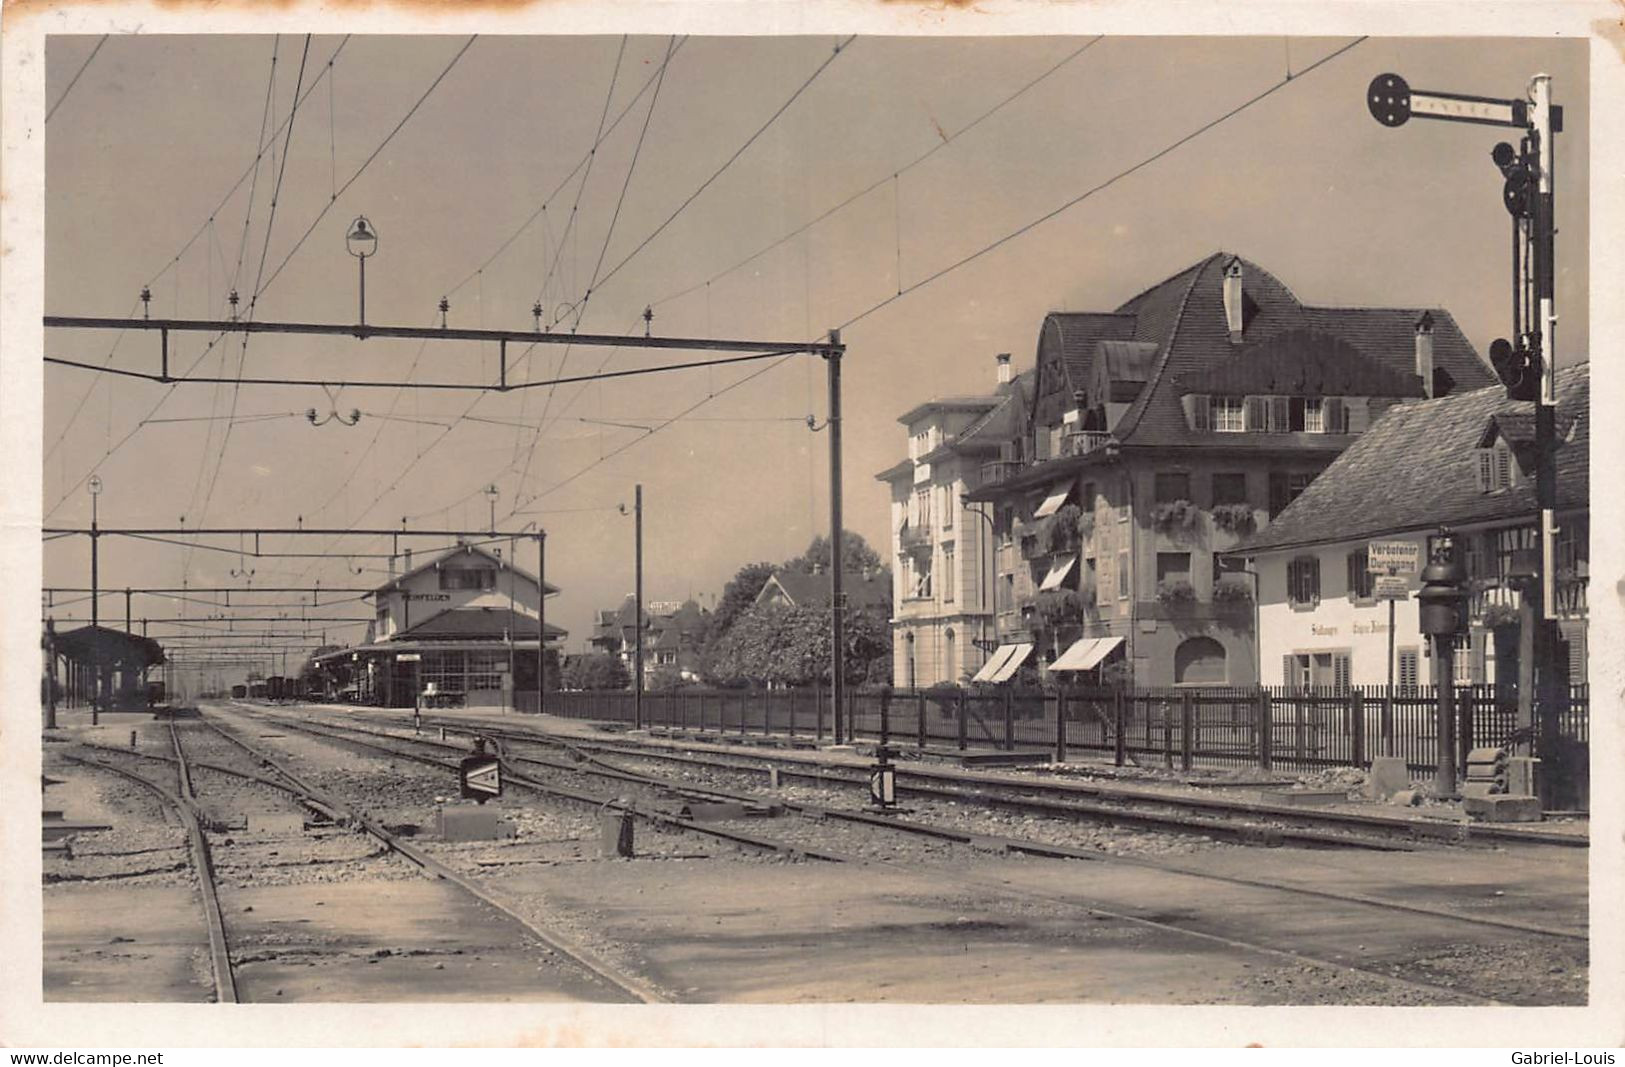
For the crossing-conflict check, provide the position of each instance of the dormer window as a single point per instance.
(1228, 414)
(1496, 469)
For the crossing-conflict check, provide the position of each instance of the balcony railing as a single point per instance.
(1569, 597)
(999, 469)
(915, 536)
(1082, 442)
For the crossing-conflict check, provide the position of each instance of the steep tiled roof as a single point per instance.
(1299, 363)
(477, 624)
(1416, 468)
(1185, 314)
(1079, 332)
(464, 551)
(808, 590)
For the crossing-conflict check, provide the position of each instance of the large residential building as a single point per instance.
(467, 623)
(942, 550)
(1161, 434)
(673, 636)
(1465, 462)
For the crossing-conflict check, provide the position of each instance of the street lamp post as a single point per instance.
(362, 241)
(637, 594)
(95, 488)
(491, 493)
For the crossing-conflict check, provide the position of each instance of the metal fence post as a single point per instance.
(1119, 738)
(1009, 721)
(1385, 724)
(1266, 731)
(959, 705)
(1187, 724)
(1165, 713)
(1356, 700)
(919, 701)
(1469, 707)
(1060, 727)
(1300, 727)
(818, 713)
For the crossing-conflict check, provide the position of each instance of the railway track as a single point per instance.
(1484, 925)
(1252, 822)
(184, 806)
(630, 985)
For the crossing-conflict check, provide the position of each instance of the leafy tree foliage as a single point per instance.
(776, 644)
(856, 556)
(597, 670)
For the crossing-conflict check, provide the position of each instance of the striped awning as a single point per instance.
(994, 662)
(1058, 570)
(1007, 669)
(1053, 502)
(1087, 654)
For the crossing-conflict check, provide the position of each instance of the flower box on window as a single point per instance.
(1175, 516)
(1239, 519)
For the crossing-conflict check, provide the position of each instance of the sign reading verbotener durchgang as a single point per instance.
(1393, 557)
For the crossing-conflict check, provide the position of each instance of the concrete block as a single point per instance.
(615, 834)
(1388, 776)
(470, 823)
(1503, 807)
(1478, 789)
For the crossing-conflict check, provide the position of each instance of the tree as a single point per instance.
(776, 644)
(596, 670)
(856, 556)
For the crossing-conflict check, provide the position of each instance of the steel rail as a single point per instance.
(339, 734)
(628, 984)
(225, 983)
(1017, 844)
(1004, 887)
(1013, 844)
(1455, 833)
(1244, 833)
(271, 783)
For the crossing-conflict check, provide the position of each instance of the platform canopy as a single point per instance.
(1086, 654)
(109, 648)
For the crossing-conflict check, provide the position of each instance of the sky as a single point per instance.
(141, 154)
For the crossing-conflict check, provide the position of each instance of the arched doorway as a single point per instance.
(1199, 661)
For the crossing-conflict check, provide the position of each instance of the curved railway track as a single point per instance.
(399, 745)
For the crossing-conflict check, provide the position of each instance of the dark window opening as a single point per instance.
(1171, 486)
(1229, 489)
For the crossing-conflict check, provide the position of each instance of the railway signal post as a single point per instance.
(1527, 365)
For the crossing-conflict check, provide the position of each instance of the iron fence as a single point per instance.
(1267, 727)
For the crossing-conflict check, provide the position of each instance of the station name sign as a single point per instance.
(427, 596)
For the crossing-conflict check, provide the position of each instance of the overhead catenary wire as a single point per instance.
(357, 174)
(75, 79)
(1025, 228)
(936, 147)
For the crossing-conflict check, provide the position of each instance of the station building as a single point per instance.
(467, 623)
(1466, 462)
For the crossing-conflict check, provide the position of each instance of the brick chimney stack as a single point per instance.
(1424, 352)
(1003, 360)
(1233, 298)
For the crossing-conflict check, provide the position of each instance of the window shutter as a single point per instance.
(1486, 471)
(1312, 579)
(1280, 414)
(1337, 415)
(1353, 561)
(1256, 418)
(1357, 411)
(1340, 671)
(1503, 467)
(1201, 414)
(1286, 671)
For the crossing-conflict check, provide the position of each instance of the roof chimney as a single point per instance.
(1232, 298)
(1424, 352)
(1003, 360)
